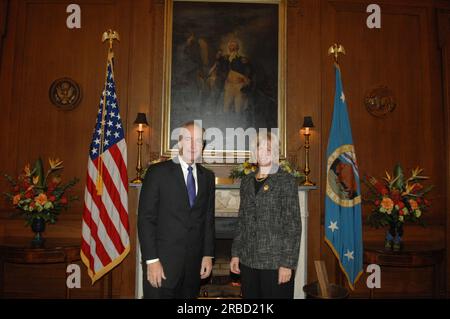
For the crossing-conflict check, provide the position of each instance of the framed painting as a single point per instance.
(225, 67)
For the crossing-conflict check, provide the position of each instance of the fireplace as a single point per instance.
(222, 283)
(222, 259)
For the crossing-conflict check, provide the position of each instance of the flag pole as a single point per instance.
(334, 202)
(109, 35)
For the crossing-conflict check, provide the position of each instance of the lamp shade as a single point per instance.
(308, 122)
(141, 119)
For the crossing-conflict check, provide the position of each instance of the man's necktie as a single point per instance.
(190, 184)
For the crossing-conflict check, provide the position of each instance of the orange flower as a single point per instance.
(41, 199)
(387, 204)
(16, 199)
(413, 204)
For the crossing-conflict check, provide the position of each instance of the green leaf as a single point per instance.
(10, 180)
(400, 177)
(371, 188)
(48, 205)
(425, 190)
(39, 167)
(69, 185)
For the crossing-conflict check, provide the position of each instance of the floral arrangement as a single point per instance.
(242, 170)
(397, 199)
(246, 168)
(38, 194)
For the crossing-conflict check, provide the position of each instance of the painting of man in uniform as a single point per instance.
(224, 67)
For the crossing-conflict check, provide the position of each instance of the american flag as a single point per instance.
(105, 229)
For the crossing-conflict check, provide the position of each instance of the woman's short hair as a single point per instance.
(268, 139)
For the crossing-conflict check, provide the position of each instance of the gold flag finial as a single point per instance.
(336, 49)
(111, 36)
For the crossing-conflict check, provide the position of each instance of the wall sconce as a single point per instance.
(308, 125)
(141, 122)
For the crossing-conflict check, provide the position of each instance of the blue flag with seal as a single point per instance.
(343, 227)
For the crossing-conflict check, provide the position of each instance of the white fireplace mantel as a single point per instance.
(227, 206)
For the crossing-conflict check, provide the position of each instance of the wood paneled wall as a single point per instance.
(444, 42)
(403, 55)
(3, 11)
(409, 54)
(39, 48)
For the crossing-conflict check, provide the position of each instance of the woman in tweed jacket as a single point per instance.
(266, 245)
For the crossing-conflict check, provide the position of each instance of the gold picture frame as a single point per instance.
(193, 27)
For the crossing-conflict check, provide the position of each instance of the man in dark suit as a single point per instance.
(176, 221)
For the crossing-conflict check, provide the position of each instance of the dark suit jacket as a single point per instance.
(269, 227)
(169, 229)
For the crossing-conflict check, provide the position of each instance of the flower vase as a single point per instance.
(394, 236)
(38, 226)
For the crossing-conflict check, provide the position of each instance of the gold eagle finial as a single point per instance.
(336, 49)
(111, 36)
